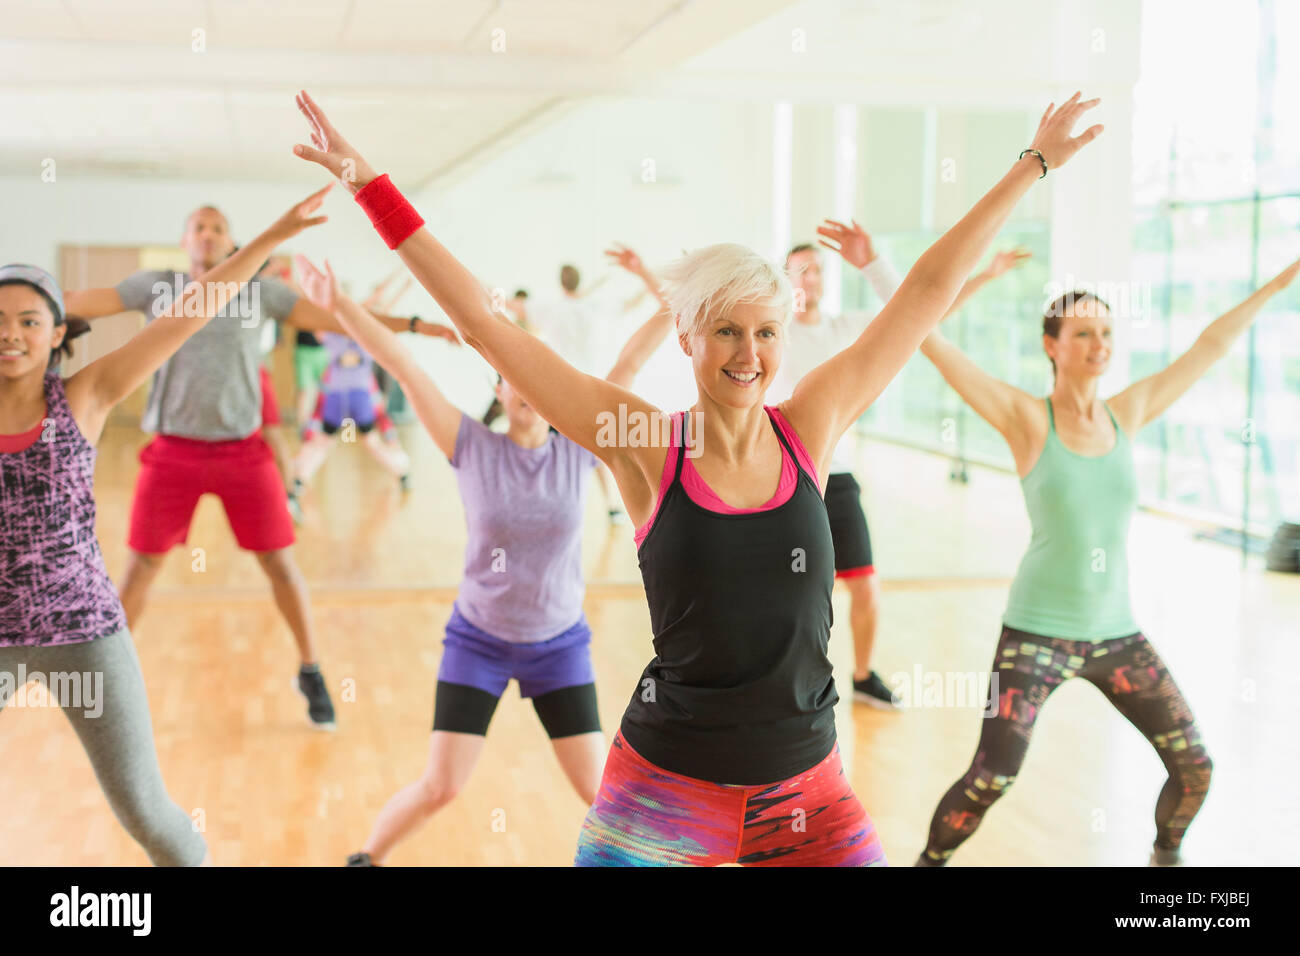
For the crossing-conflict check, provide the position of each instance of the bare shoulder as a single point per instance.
(818, 433)
(1031, 413)
(79, 390)
(1128, 414)
(1029, 434)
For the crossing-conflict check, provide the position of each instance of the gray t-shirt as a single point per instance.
(210, 389)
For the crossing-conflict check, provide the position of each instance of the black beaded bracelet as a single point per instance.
(1040, 159)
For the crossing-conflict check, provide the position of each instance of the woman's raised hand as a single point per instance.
(621, 255)
(437, 331)
(853, 243)
(1006, 260)
(1053, 139)
(1285, 277)
(322, 288)
(332, 150)
(299, 217)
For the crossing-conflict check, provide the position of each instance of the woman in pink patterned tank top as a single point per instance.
(61, 622)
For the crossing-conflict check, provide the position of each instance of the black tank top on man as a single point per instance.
(740, 688)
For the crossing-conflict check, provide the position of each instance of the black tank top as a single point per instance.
(740, 689)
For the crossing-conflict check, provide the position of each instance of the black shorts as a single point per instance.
(848, 526)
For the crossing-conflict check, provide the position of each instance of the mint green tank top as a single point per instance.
(1073, 580)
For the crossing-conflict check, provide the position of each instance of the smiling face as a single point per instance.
(207, 238)
(737, 353)
(27, 331)
(1082, 347)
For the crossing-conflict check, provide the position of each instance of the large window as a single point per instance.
(905, 204)
(1217, 214)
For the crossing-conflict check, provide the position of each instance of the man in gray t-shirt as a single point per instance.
(210, 390)
(206, 407)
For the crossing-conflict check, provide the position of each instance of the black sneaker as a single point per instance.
(320, 710)
(873, 691)
(361, 859)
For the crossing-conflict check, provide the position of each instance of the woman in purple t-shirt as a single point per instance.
(61, 622)
(347, 397)
(518, 613)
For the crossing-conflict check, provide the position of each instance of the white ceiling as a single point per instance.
(423, 86)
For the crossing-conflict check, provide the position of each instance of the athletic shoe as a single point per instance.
(1160, 856)
(873, 691)
(295, 509)
(320, 710)
(617, 516)
(361, 859)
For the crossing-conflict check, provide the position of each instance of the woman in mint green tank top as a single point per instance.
(1068, 613)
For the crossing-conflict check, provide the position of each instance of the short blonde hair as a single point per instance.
(720, 277)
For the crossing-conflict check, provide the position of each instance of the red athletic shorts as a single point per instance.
(270, 407)
(174, 472)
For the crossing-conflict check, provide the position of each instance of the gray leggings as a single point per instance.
(107, 706)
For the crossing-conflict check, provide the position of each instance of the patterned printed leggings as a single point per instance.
(647, 816)
(1131, 674)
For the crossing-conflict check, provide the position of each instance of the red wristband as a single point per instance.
(392, 216)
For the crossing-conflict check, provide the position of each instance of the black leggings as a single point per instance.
(1026, 669)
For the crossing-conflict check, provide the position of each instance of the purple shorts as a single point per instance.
(354, 403)
(477, 659)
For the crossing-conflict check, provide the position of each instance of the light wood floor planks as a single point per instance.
(234, 742)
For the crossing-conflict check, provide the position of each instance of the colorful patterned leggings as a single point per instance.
(647, 816)
(1027, 668)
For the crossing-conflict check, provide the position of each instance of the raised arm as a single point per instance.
(1003, 262)
(376, 298)
(396, 296)
(310, 317)
(568, 399)
(440, 417)
(638, 349)
(1007, 408)
(830, 397)
(854, 246)
(1146, 400)
(651, 334)
(109, 379)
(94, 303)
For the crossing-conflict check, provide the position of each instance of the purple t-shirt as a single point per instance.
(350, 367)
(523, 508)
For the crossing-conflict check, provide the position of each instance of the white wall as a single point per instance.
(41, 216)
(567, 192)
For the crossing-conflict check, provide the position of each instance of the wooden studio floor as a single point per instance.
(234, 743)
